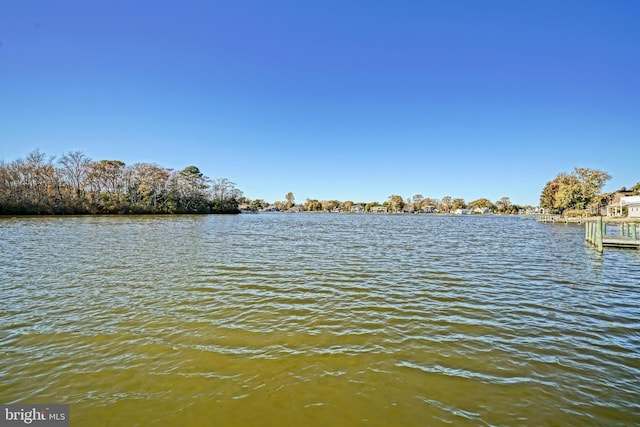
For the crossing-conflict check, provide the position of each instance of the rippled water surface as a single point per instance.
(313, 319)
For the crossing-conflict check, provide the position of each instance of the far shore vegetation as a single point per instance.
(577, 194)
(74, 184)
(395, 204)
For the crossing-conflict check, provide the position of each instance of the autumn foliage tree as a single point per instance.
(577, 190)
(396, 203)
(481, 203)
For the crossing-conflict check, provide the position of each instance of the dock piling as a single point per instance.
(596, 235)
(599, 233)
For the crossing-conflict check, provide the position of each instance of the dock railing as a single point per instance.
(549, 218)
(596, 235)
(561, 218)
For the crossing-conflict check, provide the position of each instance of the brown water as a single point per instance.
(312, 319)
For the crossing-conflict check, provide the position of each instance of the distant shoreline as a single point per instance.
(561, 219)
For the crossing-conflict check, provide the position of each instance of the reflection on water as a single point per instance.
(340, 320)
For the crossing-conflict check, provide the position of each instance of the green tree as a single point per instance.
(458, 204)
(445, 204)
(258, 204)
(148, 187)
(577, 190)
(329, 205)
(481, 203)
(368, 206)
(225, 196)
(570, 196)
(408, 205)
(312, 205)
(503, 205)
(506, 202)
(417, 202)
(592, 181)
(191, 186)
(396, 203)
(550, 191)
(291, 200)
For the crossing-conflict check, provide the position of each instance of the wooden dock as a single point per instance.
(549, 218)
(596, 234)
(560, 218)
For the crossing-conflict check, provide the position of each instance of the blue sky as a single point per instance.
(347, 100)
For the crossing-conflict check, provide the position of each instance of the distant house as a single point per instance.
(480, 211)
(633, 205)
(614, 208)
(634, 210)
(428, 209)
(534, 210)
(460, 211)
(378, 209)
(357, 209)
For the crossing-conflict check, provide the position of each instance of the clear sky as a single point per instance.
(347, 100)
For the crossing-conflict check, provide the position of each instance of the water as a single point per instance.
(313, 319)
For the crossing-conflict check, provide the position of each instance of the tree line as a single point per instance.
(76, 184)
(395, 204)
